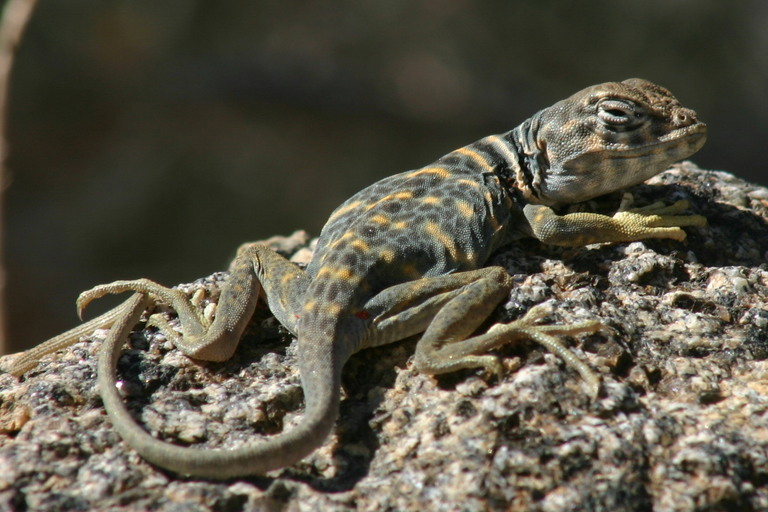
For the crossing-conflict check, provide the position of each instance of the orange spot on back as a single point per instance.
(468, 183)
(391, 197)
(465, 209)
(441, 172)
(445, 240)
(335, 243)
(344, 209)
(380, 219)
(475, 156)
(502, 147)
(388, 255)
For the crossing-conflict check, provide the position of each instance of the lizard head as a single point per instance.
(603, 139)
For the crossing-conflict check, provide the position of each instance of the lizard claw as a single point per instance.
(663, 215)
(145, 286)
(86, 298)
(94, 293)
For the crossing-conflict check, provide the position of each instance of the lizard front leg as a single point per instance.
(583, 228)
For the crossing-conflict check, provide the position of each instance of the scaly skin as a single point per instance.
(405, 256)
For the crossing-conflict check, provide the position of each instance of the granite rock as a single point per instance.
(681, 425)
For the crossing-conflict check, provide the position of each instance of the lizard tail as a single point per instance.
(322, 395)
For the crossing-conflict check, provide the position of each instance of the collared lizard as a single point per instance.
(405, 257)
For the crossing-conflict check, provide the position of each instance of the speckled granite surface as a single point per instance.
(682, 423)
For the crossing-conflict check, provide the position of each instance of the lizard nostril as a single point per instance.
(683, 118)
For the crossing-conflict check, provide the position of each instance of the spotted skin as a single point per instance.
(406, 255)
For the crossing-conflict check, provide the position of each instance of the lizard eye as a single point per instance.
(617, 112)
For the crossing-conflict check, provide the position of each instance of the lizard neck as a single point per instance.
(524, 172)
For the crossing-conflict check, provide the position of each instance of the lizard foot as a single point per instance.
(527, 327)
(154, 290)
(657, 220)
(198, 341)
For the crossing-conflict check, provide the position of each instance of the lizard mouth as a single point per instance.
(698, 129)
(684, 141)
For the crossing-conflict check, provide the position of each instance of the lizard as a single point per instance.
(405, 256)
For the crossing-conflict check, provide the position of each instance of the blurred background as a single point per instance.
(150, 138)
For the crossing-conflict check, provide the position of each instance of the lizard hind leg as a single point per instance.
(448, 345)
(285, 285)
(448, 309)
(255, 267)
(545, 335)
(200, 339)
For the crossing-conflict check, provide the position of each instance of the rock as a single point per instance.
(682, 423)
